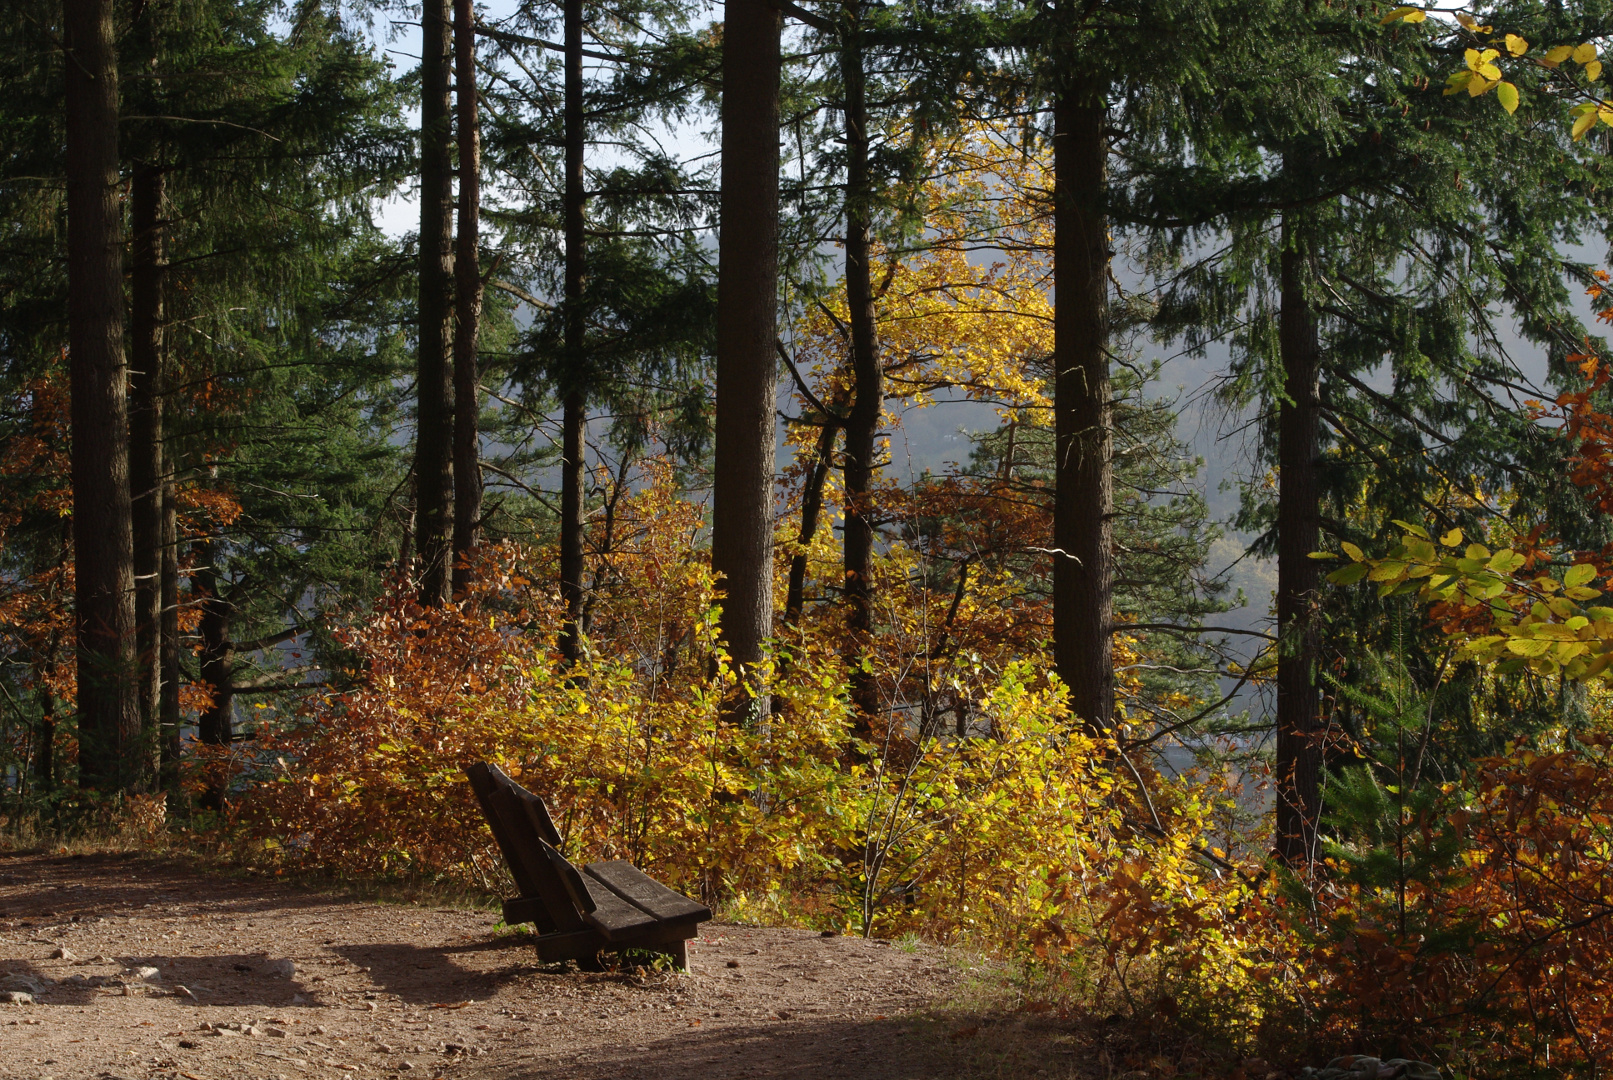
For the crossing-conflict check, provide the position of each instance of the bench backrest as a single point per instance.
(526, 835)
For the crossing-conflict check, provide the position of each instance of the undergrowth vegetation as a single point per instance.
(1464, 920)
(406, 519)
(1458, 918)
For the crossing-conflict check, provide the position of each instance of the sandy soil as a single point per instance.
(257, 979)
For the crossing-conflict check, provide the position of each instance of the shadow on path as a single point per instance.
(901, 1048)
(425, 974)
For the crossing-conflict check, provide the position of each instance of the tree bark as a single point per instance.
(434, 378)
(169, 721)
(747, 300)
(1083, 575)
(573, 440)
(108, 693)
(1298, 764)
(811, 508)
(146, 472)
(573, 450)
(44, 762)
(467, 300)
(215, 726)
(862, 422)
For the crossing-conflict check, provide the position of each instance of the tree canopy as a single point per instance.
(625, 468)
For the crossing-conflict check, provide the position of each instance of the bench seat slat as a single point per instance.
(615, 917)
(625, 880)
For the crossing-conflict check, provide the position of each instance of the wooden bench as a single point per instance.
(605, 906)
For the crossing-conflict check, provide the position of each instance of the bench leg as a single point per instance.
(679, 951)
(576, 945)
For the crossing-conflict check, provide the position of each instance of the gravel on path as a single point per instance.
(139, 969)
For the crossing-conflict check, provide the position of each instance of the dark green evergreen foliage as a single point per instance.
(1163, 533)
(33, 280)
(1388, 828)
(33, 332)
(285, 340)
(913, 67)
(275, 129)
(1432, 224)
(1470, 713)
(1432, 230)
(649, 345)
(648, 295)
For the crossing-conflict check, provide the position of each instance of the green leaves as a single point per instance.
(1349, 575)
(1579, 575)
(1493, 608)
(1482, 72)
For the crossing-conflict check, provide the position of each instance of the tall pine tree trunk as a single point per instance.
(1083, 576)
(108, 692)
(573, 443)
(862, 422)
(1298, 762)
(146, 472)
(168, 656)
(433, 467)
(747, 300)
(467, 299)
(215, 726)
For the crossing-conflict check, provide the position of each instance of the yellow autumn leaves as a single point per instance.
(1482, 72)
(1497, 610)
(1482, 76)
(1404, 14)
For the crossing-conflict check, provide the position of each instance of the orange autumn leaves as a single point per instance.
(791, 818)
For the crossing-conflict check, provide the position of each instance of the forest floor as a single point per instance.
(144, 969)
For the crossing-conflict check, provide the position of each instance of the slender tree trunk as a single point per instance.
(169, 722)
(44, 764)
(215, 727)
(1298, 577)
(406, 541)
(573, 443)
(467, 300)
(862, 422)
(811, 509)
(108, 693)
(607, 534)
(1083, 588)
(145, 439)
(747, 300)
(434, 476)
(573, 452)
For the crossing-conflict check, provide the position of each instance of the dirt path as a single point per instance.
(145, 970)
